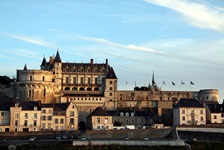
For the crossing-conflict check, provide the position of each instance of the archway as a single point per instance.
(74, 89)
(81, 89)
(6, 129)
(82, 125)
(89, 89)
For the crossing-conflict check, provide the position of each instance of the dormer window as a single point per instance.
(35, 108)
(132, 114)
(127, 114)
(121, 114)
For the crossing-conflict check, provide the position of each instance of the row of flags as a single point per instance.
(182, 83)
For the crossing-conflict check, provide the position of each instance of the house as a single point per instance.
(189, 112)
(4, 116)
(127, 117)
(215, 113)
(99, 119)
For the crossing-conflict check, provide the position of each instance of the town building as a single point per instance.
(189, 112)
(99, 119)
(215, 113)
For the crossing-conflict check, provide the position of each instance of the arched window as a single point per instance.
(81, 89)
(74, 89)
(67, 89)
(89, 89)
(96, 89)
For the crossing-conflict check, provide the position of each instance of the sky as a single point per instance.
(178, 40)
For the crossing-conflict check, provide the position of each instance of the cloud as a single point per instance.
(32, 40)
(201, 15)
(127, 47)
(26, 53)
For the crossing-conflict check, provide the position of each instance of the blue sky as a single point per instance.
(180, 40)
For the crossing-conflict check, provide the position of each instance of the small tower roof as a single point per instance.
(43, 62)
(57, 57)
(25, 67)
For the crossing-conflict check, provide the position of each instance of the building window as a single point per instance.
(215, 117)
(89, 80)
(72, 121)
(43, 78)
(139, 120)
(2, 113)
(25, 123)
(35, 115)
(67, 80)
(111, 82)
(56, 121)
(98, 120)
(111, 88)
(16, 122)
(132, 121)
(202, 119)
(61, 121)
(106, 120)
(43, 117)
(34, 123)
(31, 78)
(82, 80)
(127, 114)
(16, 115)
(183, 111)
(44, 111)
(26, 115)
(201, 111)
(121, 114)
(111, 94)
(49, 118)
(75, 80)
(132, 114)
(72, 113)
(183, 118)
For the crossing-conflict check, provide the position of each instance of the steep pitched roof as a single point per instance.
(111, 74)
(188, 103)
(216, 108)
(29, 105)
(57, 57)
(43, 62)
(25, 67)
(99, 111)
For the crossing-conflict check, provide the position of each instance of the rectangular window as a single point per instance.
(56, 121)
(61, 121)
(16, 122)
(25, 123)
(2, 113)
(89, 80)
(201, 111)
(34, 122)
(75, 80)
(98, 120)
(111, 82)
(183, 118)
(106, 120)
(215, 117)
(72, 121)
(26, 115)
(49, 125)
(72, 113)
(111, 88)
(43, 117)
(31, 78)
(67, 80)
(183, 111)
(202, 119)
(111, 94)
(82, 80)
(49, 118)
(35, 115)
(16, 115)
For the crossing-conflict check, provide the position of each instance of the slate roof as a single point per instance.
(43, 62)
(29, 105)
(99, 111)
(216, 108)
(5, 106)
(111, 74)
(188, 103)
(57, 57)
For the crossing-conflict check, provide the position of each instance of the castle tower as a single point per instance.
(57, 72)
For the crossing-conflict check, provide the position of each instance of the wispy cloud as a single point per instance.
(26, 53)
(127, 47)
(201, 15)
(32, 40)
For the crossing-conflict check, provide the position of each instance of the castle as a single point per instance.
(91, 85)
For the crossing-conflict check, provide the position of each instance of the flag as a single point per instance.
(182, 83)
(191, 83)
(164, 83)
(173, 83)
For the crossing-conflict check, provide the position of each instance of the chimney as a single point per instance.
(107, 64)
(91, 61)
